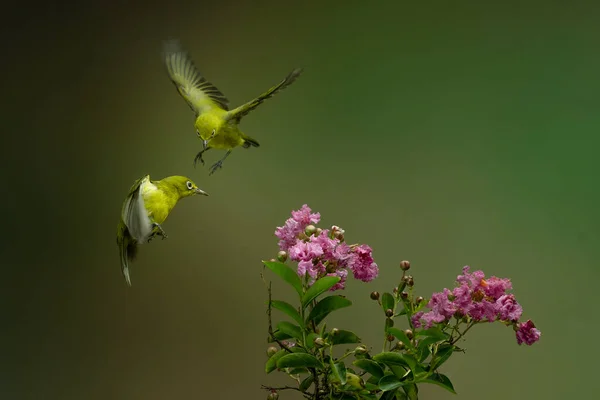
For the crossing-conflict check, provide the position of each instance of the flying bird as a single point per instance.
(216, 125)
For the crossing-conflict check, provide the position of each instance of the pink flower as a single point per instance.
(294, 226)
(304, 216)
(343, 274)
(496, 287)
(326, 253)
(416, 319)
(473, 280)
(362, 265)
(508, 309)
(305, 251)
(483, 310)
(527, 333)
(441, 305)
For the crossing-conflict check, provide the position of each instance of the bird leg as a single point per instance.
(219, 164)
(158, 230)
(199, 157)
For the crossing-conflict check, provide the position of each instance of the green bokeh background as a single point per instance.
(446, 133)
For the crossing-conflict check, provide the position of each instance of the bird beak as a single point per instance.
(202, 192)
(204, 144)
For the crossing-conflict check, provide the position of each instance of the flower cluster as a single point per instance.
(480, 300)
(320, 252)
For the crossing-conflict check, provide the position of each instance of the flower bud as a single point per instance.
(410, 281)
(405, 265)
(336, 228)
(273, 395)
(419, 299)
(273, 260)
(361, 350)
(409, 333)
(391, 338)
(318, 232)
(339, 236)
(310, 229)
(282, 256)
(404, 295)
(374, 295)
(400, 346)
(271, 351)
(395, 290)
(389, 313)
(335, 331)
(319, 342)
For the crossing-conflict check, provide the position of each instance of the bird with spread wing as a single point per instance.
(216, 125)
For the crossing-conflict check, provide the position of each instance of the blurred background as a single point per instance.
(445, 133)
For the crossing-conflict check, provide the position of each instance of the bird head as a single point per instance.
(206, 137)
(207, 127)
(185, 186)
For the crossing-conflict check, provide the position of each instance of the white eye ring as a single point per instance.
(198, 132)
(189, 185)
(212, 135)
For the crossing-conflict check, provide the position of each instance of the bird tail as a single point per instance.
(241, 111)
(128, 252)
(248, 141)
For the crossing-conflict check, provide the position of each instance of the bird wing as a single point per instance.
(134, 213)
(200, 94)
(239, 112)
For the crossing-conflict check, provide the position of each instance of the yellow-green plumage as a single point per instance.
(146, 207)
(216, 125)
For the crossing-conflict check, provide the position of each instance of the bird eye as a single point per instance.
(213, 133)
(198, 132)
(189, 185)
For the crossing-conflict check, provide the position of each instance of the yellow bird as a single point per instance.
(145, 208)
(216, 125)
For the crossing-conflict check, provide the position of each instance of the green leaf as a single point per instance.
(299, 360)
(305, 384)
(326, 306)
(286, 273)
(288, 309)
(440, 380)
(441, 356)
(370, 366)
(290, 329)
(433, 332)
(401, 336)
(387, 301)
(310, 339)
(271, 364)
(280, 336)
(388, 323)
(412, 391)
(401, 395)
(424, 352)
(320, 286)
(390, 395)
(389, 382)
(339, 371)
(398, 370)
(393, 358)
(344, 337)
(403, 312)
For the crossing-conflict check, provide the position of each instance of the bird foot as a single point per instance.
(216, 166)
(199, 158)
(159, 231)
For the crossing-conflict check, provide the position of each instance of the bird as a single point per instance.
(144, 210)
(216, 125)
